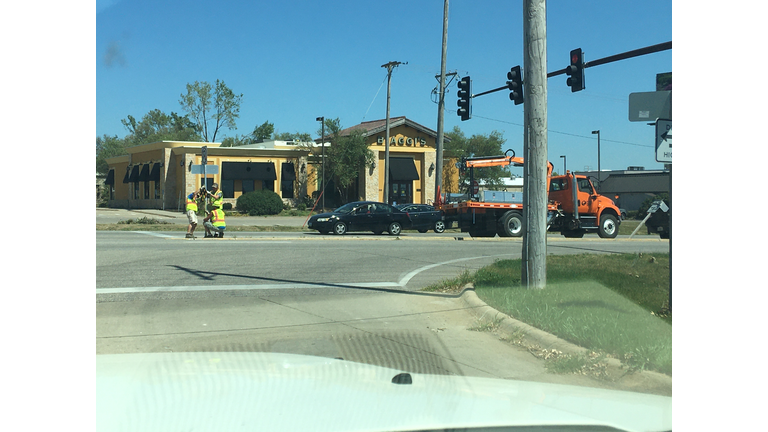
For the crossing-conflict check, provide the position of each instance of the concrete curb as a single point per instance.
(643, 381)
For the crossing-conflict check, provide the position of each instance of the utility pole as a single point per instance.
(534, 267)
(441, 108)
(389, 67)
(322, 157)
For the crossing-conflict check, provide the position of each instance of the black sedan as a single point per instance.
(424, 217)
(361, 216)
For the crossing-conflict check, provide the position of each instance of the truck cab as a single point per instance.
(584, 209)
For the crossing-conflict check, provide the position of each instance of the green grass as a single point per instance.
(611, 304)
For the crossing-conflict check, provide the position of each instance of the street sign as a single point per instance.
(475, 187)
(209, 169)
(649, 106)
(664, 140)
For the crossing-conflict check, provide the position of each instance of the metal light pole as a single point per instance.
(322, 158)
(564, 169)
(389, 67)
(599, 176)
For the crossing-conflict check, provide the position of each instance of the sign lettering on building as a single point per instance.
(403, 141)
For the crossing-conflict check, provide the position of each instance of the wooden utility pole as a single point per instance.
(441, 108)
(534, 271)
(389, 67)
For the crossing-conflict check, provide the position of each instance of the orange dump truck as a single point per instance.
(574, 206)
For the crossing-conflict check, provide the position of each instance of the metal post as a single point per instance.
(565, 170)
(389, 67)
(441, 108)
(534, 267)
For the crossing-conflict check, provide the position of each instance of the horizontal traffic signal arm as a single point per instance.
(610, 59)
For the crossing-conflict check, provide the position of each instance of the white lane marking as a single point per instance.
(153, 234)
(404, 281)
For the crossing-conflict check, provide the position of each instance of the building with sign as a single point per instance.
(412, 159)
(160, 175)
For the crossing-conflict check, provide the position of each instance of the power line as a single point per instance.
(560, 133)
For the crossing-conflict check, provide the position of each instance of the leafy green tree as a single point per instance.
(158, 126)
(460, 147)
(346, 156)
(206, 104)
(263, 132)
(107, 147)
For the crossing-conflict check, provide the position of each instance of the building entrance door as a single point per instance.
(401, 193)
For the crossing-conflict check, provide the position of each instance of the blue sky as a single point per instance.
(294, 61)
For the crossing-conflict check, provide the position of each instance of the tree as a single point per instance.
(460, 146)
(157, 126)
(263, 132)
(217, 104)
(346, 156)
(108, 147)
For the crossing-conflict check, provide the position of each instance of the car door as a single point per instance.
(361, 218)
(413, 212)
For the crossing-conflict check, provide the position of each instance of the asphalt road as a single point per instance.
(354, 297)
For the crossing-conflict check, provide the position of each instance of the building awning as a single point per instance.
(144, 176)
(402, 169)
(134, 175)
(288, 172)
(110, 178)
(155, 174)
(248, 171)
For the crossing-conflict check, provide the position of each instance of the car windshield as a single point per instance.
(346, 208)
(236, 141)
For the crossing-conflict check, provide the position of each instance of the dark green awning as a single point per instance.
(402, 169)
(155, 174)
(248, 171)
(144, 176)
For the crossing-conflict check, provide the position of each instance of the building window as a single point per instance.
(157, 190)
(136, 190)
(146, 190)
(286, 187)
(247, 186)
(228, 188)
(268, 185)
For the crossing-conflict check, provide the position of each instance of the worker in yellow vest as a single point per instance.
(191, 210)
(217, 196)
(215, 222)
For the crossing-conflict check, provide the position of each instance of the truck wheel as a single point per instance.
(608, 226)
(511, 224)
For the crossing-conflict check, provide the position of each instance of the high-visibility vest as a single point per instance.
(217, 200)
(191, 204)
(217, 218)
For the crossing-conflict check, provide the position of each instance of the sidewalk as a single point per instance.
(111, 216)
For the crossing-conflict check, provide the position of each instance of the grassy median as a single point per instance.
(615, 305)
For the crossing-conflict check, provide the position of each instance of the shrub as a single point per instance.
(258, 203)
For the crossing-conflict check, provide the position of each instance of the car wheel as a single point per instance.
(608, 227)
(395, 228)
(439, 227)
(340, 228)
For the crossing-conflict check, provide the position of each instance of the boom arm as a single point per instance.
(490, 161)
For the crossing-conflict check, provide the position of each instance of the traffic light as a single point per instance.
(515, 85)
(576, 71)
(465, 101)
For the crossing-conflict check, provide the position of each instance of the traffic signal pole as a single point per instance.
(534, 265)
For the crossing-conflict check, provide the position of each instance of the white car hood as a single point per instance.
(236, 391)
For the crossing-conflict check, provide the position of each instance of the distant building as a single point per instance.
(629, 188)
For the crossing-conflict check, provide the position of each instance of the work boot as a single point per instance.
(189, 236)
(208, 236)
(221, 235)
